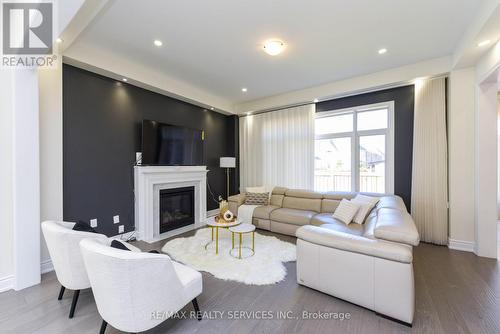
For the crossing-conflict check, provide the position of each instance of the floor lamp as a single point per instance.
(227, 163)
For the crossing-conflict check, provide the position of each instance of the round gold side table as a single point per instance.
(213, 224)
(240, 230)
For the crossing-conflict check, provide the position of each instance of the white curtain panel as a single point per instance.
(277, 148)
(430, 180)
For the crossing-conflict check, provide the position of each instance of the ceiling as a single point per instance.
(216, 45)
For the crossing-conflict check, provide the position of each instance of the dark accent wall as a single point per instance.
(403, 98)
(101, 133)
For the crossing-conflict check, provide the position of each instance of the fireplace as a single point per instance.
(176, 208)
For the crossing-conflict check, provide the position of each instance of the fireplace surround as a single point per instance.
(150, 181)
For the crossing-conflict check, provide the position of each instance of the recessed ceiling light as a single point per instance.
(244, 90)
(249, 113)
(484, 43)
(382, 51)
(212, 108)
(157, 42)
(315, 100)
(59, 40)
(124, 79)
(274, 47)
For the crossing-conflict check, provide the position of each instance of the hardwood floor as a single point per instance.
(456, 292)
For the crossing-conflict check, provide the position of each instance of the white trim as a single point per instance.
(46, 266)
(6, 283)
(149, 180)
(461, 245)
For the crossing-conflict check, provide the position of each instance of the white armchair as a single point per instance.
(64, 250)
(137, 291)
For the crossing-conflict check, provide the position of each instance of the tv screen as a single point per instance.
(164, 144)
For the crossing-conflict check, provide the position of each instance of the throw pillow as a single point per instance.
(260, 189)
(118, 245)
(257, 198)
(346, 211)
(83, 227)
(366, 203)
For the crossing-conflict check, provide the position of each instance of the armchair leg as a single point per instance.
(73, 303)
(103, 327)
(61, 292)
(197, 309)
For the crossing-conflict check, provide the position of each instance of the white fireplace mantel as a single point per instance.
(149, 180)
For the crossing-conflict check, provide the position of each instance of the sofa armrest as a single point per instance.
(397, 226)
(357, 244)
(239, 199)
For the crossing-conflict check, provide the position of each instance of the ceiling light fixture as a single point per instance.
(244, 90)
(212, 108)
(59, 40)
(484, 43)
(249, 113)
(125, 79)
(315, 100)
(382, 51)
(274, 47)
(157, 42)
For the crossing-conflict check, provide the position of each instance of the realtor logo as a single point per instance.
(27, 34)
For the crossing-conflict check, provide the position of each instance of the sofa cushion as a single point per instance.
(329, 205)
(307, 204)
(263, 212)
(279, 190)
(303, 194)
(326, 220)
(277, 200)
(292, 216)
(339, 195)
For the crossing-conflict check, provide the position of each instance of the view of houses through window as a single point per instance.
(354, 149)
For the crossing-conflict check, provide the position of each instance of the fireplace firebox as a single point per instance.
(176, 208)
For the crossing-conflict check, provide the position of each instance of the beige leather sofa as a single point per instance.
(369, 264)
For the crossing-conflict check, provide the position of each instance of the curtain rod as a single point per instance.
(342, 95)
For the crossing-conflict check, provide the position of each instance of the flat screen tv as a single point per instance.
(171, 145)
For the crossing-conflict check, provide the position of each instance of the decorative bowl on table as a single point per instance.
(220, 219)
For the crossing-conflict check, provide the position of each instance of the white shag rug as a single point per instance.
(264, 267)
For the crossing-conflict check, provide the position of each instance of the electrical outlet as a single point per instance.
(93, 222)
(116, 219)
(121, 229)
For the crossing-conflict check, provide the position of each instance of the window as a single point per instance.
(354, 149)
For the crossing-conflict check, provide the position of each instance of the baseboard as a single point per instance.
(6, 283)
(46, 266)
(461, 245)
(211, 213)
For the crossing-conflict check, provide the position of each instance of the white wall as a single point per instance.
(51, 156)
(6, 232)
(25, 178)
(487, 77)
(498, 154)
(461, 158)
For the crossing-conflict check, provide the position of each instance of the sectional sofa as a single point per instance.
(368, 264)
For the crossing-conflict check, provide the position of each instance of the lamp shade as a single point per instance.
(227, 162)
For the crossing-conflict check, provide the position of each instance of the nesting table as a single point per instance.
(235, 227)
(240, 230)
(214, 224)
